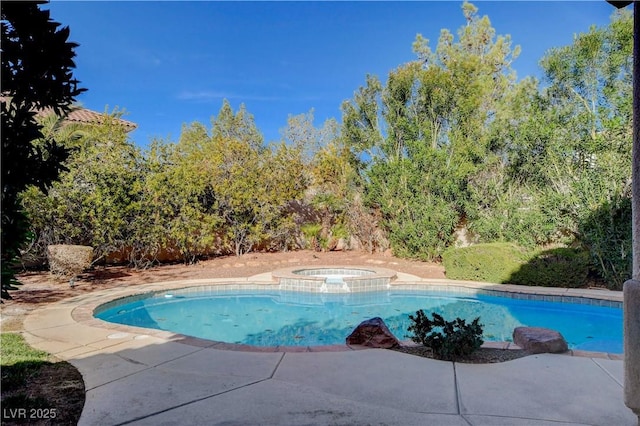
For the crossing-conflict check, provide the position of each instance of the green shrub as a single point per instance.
(456, 338)
(606, 232)
(312, 233)
(493, 262)
(339, 231)
(503, 211)
(559, 267)
(508, 263)
(423, 230)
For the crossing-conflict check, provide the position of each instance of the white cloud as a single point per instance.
(202, 96)
(212, 95)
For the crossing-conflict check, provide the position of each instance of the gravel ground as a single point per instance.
(481, 356)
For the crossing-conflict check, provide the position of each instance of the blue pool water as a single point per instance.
(277, 318)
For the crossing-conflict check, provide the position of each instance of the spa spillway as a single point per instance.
(334, 279)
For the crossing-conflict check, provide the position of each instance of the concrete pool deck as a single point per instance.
(141, 376)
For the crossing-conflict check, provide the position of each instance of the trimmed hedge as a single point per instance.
(508, 263)
(560, 267)
(493, 262)
(69, 260)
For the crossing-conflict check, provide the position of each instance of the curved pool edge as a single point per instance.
(81, 310)
(126, 370)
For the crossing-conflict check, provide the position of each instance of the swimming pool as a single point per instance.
(285, 318)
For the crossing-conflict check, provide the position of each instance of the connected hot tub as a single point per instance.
(334, 279)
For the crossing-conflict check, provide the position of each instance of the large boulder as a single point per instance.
(373, 333)
(539, 340)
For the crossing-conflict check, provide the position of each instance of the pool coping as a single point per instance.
(83, 312)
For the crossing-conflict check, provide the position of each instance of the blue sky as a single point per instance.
(169, 63)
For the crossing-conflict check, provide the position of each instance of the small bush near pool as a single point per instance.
(449, 340)
(508, 263)
(493, 262)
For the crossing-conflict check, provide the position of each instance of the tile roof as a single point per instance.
(83, 115)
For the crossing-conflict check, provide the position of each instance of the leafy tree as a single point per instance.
(362, 126)
(332, 178)
(302, 134)
(240, 126)
(35, 202)
(477, 74)
(425, 132)
(284, 182)
(509, 201)
(203, 195)
(232, 191)
(37, 64)
(181, 189)
(93, 203)
(332, 181)
(590, 92)
(153, 202)
(233, 159)
(564, 172)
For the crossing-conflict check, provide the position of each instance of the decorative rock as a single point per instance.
(341, 245)
(373, 333)
(354, 244)
(539, 340)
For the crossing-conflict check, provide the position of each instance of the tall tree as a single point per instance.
(93, 202)
(330, 171)
(565, 171)
(230, 190)
(37, 64)
(251, 188)
(587, 157)
(425, 132)
(240, 126)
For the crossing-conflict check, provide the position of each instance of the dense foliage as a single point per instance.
(37, 64)
(212, 192)
(455, 142)
(559, 267)
(427, 133)
(451, 143)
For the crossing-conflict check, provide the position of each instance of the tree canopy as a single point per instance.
(37, 65)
